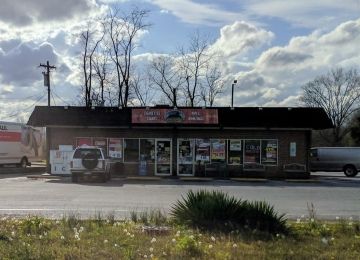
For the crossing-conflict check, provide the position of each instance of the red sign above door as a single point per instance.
(171, 116)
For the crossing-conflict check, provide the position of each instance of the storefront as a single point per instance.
(164, 141)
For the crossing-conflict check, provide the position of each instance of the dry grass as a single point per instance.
(106, 238)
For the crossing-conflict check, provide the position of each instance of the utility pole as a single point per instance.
(47, 77)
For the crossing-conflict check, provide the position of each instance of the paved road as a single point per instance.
(331, 195)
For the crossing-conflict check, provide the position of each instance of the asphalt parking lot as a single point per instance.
(332, 194)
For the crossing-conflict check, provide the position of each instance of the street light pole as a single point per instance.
(232, 93)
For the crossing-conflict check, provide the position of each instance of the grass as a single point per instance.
(107, 238)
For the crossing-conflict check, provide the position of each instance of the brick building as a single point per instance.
(184, 141)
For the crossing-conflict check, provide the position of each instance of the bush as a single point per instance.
(217, 210)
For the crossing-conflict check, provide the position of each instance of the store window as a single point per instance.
(115, 148)
(185, 156)
(234, 152)
(269, 151)
(202, 151)
(131, 150)
(147, 150)
(218, 150)
(83, 141)
(101, 143)
(252, 151)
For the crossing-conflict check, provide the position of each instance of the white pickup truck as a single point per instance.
(89, 162)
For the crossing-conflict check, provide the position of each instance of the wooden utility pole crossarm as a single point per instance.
(47, 77)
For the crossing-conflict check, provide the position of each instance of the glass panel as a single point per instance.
(235, 152)
(101, 143)
(147, 150)
(131, 150)
(269, 151)
(202, 150)
(80, 153)
(218, 150)
(115, 148)
(163, 157)
(252, 151)
(186, 156)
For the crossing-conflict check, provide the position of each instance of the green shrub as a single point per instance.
(217, 210)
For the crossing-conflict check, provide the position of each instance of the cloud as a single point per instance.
(305, 13)
(19, 65)
(23, 13)
(278, 73)
(206, 14)
(240, 37)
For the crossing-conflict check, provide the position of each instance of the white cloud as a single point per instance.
(240, 37)
(206, 14)
(279, 72)
(307, 13)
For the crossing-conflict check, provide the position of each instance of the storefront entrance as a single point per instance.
(163, 158)
(185, 157)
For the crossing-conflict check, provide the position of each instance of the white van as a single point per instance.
(21, 144)
(336, 159)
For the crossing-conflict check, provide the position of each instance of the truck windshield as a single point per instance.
(80, 153)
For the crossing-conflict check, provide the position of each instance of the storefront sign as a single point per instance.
(182, 116)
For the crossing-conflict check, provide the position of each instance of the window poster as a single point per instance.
(101, 143)
(147, 150)
(234, 152)
(115, 148)
(218, 150)
(252, 151)
(83, 141)
(269, 151)
(202, 150)
(186, 151)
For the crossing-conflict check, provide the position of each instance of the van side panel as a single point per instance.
(334, 158)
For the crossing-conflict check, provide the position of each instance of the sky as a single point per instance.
(270, 47)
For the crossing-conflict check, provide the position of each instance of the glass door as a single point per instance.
(163, 157)
(185, 159)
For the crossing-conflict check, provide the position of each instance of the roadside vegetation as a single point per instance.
(153, 235)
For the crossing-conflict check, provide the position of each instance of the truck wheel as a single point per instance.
(23, 162)
(350, 171)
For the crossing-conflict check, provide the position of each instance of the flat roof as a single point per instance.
(237, 117)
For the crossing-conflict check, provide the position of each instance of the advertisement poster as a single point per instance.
(186, 151)
(235, 152)
(202, 150)
(101, 143)
(252, 151)
(83, 141)
(235, 145)
(115, 148)
(218, 150)
(269, 148)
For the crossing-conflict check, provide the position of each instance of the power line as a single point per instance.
(67, 103)
(25, 109)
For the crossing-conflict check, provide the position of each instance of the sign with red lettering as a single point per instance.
(177, 116)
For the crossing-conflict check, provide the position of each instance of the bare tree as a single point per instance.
(338, 93)
(192, 64)
(102, 71)
(122, 31)
(212, 87)
(165, 77)
(143, 93)
(89, 43)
